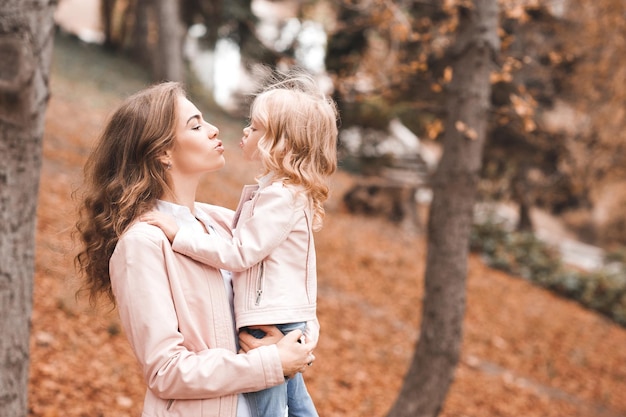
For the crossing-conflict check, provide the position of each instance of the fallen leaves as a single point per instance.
(526, 352)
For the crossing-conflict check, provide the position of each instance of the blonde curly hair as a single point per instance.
(123, 177)
(300, 141)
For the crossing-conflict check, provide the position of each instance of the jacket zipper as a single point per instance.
(259, 285)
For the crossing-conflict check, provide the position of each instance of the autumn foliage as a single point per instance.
(526, 352)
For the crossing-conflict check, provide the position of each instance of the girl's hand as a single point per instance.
(295, 356)
(248, 342)
(164, 221)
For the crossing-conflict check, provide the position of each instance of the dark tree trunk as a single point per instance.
(139, 45)
(106, 12)
(26, 39)
(239, 13)
(211, 13)
(168, 57)
(438, 349)
(521, 196)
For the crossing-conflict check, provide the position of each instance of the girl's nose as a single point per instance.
(246, 130)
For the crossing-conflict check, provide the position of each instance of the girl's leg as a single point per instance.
(271, 402)
(299, 403)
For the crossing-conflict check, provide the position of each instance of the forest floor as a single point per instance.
(526, 352)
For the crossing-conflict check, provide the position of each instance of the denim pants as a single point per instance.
(290, 399)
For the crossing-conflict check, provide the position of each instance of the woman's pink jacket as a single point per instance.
(177, 317)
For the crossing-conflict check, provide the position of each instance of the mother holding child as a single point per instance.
(163, 259)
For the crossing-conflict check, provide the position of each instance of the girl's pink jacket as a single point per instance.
(272, 254)
(176, 315)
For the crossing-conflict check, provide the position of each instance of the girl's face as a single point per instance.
(197, 149)
(250, 140)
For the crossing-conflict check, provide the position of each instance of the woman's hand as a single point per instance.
(164, 221)
(295, 356)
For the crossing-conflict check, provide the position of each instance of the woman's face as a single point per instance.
(250, 140)
(197, 149)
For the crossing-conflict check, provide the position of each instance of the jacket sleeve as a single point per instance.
(221, 216)
(312, 332)
(148, 315)
(275, 214)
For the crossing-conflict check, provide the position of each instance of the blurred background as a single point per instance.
(543, 334)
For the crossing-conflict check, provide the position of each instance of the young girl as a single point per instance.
(293, 133)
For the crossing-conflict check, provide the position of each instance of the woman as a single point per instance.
(176, 312)
(293, 133)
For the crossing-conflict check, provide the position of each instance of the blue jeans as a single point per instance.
(289, 399)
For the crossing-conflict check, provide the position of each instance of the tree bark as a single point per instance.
(106, 11)
(26, 39)
(454, 185)
(169, 53)
(139, 45)
(521, 196)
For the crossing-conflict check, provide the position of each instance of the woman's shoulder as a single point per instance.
(143, 232)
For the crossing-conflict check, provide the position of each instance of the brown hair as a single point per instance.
(123, 177)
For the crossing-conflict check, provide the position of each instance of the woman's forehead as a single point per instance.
(186, 110)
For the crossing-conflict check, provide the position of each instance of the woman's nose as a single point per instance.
(214, 131)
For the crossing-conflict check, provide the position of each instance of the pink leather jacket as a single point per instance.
(272, 254)
(177, 317)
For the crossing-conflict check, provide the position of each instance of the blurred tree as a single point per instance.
(400, 64)
(390, 59)
(454, 187)
(388, 56)
(106, 13)
(524, 155)
(151, 31)
(239, 24)
(139, 46)
(596, 88)
(168, 56)
(556, 138)
(26, 39)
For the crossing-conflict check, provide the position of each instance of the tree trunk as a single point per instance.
(240, 17)
(168, 57)
(139, 43)
(106, 11)
(26, 39)
(521, 196)
(438, 349)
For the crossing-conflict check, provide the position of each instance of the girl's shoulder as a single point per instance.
(291, 194)
(281, 185)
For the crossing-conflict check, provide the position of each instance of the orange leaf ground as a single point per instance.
(526, 352)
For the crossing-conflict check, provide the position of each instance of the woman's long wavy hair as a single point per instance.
(300, 141)
(123, 177)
